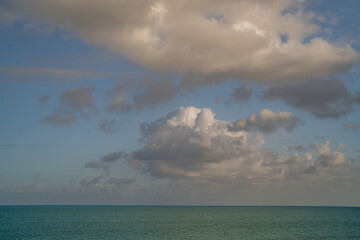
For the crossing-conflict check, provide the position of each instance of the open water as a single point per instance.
(153, 222)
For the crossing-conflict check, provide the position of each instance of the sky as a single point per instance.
(180, 102)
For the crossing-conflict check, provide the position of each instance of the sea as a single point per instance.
(178, 222)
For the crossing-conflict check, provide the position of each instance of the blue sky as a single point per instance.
(114, 102)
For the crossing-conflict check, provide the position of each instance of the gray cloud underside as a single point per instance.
(241, 94)
(132, 94)
(96, 181)
(267, 121)
(191, 144)
(323, 98)
(92, 181)
(77, 98)
(164, 36)
(105, 162)
(74, 103)
(112, 157)
(98, 165)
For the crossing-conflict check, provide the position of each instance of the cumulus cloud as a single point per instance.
(282, 46)
(74, 103)
(191, 144)
(328, 158)
(267, 121)
(350, 126)
(234, 42)
(323, 98)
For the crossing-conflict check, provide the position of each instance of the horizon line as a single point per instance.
(171, 205)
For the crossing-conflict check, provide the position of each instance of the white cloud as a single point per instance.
(212, 39)
(328, 158)
(245, 25)
(191, 143)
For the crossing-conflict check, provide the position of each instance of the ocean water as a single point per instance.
(150, 222)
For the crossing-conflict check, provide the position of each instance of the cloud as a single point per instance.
(58, 120)
(340, 146)
(121, 181)
(77, 98)
(93, 181)
(287, 147)
(327, 158)
(239, 95)
(267, 121)
(74, 103)
(107, 126)
(350, 126)
(97, 165)
(300, 148)
(112, 157)
(136, 94)
(323, 98)
(48, 74)
(191, 144)
(233, 42)
(7, 15)
(105, 162)
(96, 181)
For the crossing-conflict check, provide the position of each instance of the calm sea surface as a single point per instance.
(118, 222)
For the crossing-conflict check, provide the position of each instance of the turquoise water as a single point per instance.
(120, 222)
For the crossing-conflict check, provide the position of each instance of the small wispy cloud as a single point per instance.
(350, 126)
(74, 103)
(107, 126)
(24, 74)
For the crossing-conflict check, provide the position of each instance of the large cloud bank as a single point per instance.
(191, 144)
(215, 39)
